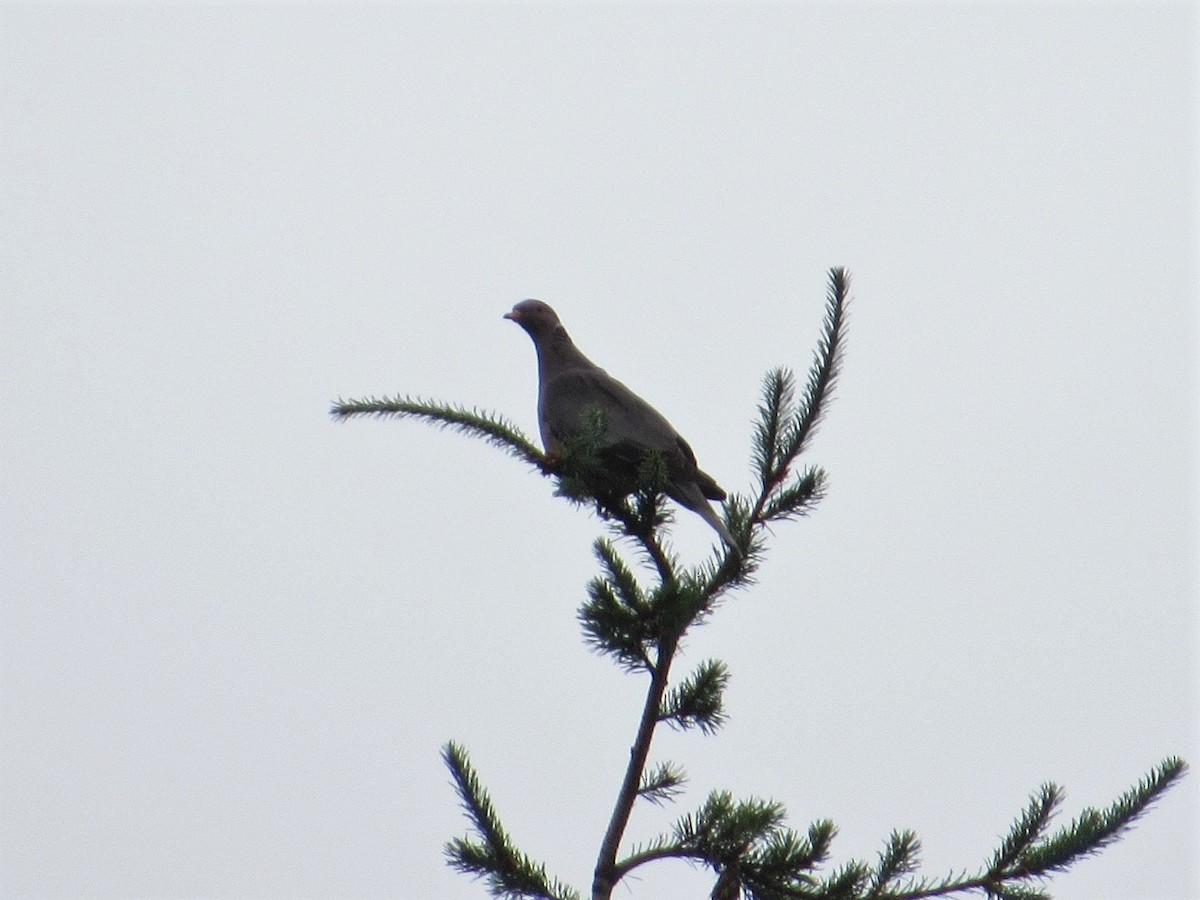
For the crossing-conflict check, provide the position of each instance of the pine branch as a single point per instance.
(777, 405)
(1019, 863)
(662, 847)
(607, 872)
(698, 702)
(744, 841)
(722, 829)
(1095, 829)
(846, 883)
(493, 428)
(797, 498)
(1028, 827)
(1018, 892)
(662, 783)
(899, 858)
(575, 472)
(508, 872)
(822, 375)
(641, 521)
(617, 619)
(785, 427)
(781, 864)
(803, 853)
(620, 577)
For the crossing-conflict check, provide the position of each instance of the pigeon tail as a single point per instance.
(709, 487)
(689, 495)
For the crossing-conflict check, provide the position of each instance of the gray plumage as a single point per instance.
(569, 384)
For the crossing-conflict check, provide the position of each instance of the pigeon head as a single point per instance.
(536, 317)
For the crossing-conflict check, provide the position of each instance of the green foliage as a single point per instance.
(900, 857)
(770, 862)
(698, 702)
(1093, 829)
(509, 873)
(582, 473)
(616, 617)
(641, 626)
(721, 831)
(662, 783)
(1029, 826)
(493, 428)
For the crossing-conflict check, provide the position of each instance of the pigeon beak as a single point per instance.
(512, 316)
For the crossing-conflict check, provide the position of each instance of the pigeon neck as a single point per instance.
(557, 352)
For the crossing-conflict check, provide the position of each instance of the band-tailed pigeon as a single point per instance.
(569, 384)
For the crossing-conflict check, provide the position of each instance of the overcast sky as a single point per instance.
(235, 635)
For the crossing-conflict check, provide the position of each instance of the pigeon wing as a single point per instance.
(633, 426)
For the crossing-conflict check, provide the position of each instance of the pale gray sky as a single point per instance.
(234, 635)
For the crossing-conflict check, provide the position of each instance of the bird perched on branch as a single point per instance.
(574, 394)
